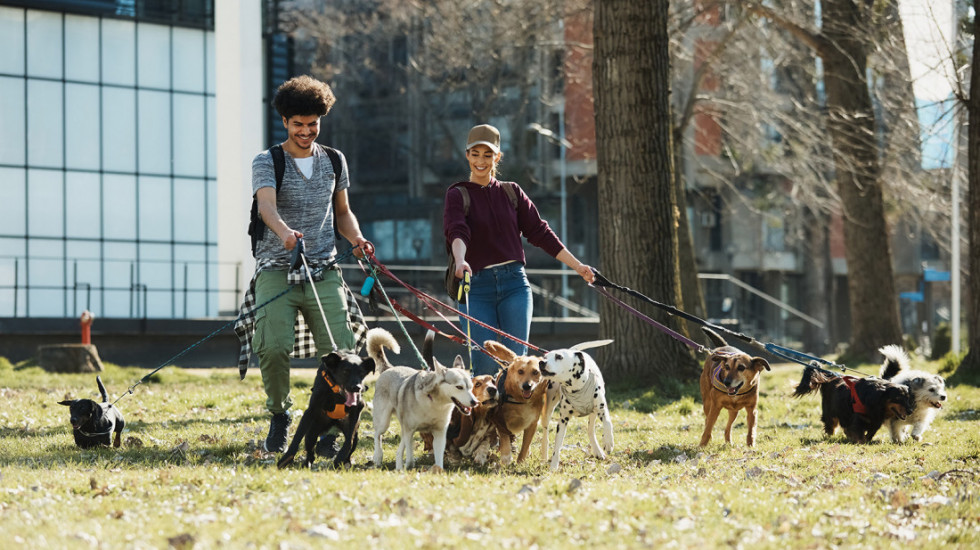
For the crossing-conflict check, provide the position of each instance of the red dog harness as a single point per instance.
(856, 403)
(339, 411)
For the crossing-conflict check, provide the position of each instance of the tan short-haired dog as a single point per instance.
(522, 393)
(730, 380)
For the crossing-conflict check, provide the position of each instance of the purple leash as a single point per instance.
(661, 327)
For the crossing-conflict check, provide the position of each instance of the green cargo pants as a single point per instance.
(273, 339)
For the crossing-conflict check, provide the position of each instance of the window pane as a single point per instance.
(189, 215)
(82, 126)
(188, 58)
(43, 44)
(84, 201)
(118, 130)
(154, 56)
(46, 273)
(119, 207)
(45, 123)
(211, 129)
(13, 207)
(82, 51)
(84, 277)
(188, 135)
(118, 52)
(155, 209)
(12, 120)
(45, 204)
(209, 74)
(12, 41)
(154, 132)
(212, 221)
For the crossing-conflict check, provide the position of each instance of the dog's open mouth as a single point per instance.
(353, 399)
(734, 390)
(937, 404)
(526, 394)
(462, 408)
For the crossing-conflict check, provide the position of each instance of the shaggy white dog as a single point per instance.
(928, 391)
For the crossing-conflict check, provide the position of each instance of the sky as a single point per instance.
(929, 27)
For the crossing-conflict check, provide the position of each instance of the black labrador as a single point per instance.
(335, 402)
(94, 424)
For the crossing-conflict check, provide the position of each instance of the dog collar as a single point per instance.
(86, 434)
(339, 411)
(718, 384)
(856, 404)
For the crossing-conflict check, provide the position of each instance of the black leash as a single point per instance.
(293, 264)
(782, 352)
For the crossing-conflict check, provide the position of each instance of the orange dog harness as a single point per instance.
(339, 411)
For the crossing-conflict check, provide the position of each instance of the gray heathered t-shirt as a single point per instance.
(305, 205)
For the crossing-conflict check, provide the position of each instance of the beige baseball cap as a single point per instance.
(484, 134)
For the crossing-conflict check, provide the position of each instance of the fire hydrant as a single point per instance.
(86, 322)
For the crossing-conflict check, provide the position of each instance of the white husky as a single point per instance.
(422, 400)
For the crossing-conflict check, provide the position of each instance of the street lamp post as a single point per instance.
(563, 145)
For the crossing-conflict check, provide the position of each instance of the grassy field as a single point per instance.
(191, 475)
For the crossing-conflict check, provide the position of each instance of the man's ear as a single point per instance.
(285, 123)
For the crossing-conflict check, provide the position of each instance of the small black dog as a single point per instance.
(93, 423)
(858, 405)
(335, 402)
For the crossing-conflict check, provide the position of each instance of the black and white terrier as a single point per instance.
(927, 390)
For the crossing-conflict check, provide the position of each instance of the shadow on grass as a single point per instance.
(654, 397)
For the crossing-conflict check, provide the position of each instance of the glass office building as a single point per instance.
(107, 159)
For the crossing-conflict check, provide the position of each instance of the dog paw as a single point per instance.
(505, 460)
(435, 469)
(917, 437)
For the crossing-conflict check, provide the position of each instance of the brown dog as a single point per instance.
(476, 433)
(522, 399)
(730, 380)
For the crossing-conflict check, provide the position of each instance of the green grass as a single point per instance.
(192, 476)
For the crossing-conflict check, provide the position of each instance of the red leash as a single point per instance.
(429, 301)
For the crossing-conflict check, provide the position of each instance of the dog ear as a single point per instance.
(367, 365)
(917, 382)
(427, 381)
(67, 403)
(499, 351)
(331, 359)
(458, 363)
(756, 361)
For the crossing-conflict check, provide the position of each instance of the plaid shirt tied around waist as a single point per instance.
(303, 345)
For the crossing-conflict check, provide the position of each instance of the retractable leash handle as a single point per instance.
(299, 252)
(464, 288)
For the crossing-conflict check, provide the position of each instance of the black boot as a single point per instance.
(278, 432)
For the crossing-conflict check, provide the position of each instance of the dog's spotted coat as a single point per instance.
(576, 387)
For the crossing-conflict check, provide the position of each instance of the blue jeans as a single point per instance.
(500, 297)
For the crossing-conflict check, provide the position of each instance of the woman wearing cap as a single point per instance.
(486, 242)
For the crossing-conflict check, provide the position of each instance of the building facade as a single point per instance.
(108, 160)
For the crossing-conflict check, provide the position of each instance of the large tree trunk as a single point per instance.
(638, 233)
(971, 363)
(874, 305)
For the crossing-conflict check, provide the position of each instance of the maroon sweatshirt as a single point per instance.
(492, 231)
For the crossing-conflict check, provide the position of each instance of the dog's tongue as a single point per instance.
(352, 398)
(938, 405)
(732, 391)
(526, 394)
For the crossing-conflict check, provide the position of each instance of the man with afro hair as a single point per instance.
(307, 205)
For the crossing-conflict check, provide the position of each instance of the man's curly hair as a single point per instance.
(303, 96)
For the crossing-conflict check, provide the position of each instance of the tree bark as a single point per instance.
(638, 233)
(971, 363)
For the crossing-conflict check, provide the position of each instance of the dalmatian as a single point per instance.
(574, 381)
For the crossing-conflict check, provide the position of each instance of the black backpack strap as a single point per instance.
(465, 194)
(256, 227)
(334, 161)
(278, 164)
(511, 192)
